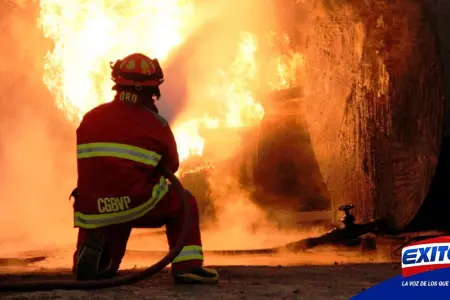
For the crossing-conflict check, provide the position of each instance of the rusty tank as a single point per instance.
(380, 98)
(381, 104)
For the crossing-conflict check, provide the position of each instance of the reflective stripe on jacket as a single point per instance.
(100, 220)
(118, 150)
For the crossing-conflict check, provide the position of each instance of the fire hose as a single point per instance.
(46, 285)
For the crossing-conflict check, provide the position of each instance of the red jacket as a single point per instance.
(119, 146)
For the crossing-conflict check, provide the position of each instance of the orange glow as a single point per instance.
(89, 34)
(238, 103)
(286, 64)
(220, 58)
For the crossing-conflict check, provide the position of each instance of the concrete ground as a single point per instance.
(237, 282)
(319, 273)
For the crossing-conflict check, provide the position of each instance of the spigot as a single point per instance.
(348, 220)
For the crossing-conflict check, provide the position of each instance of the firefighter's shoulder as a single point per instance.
(160, 119)
(94, 111)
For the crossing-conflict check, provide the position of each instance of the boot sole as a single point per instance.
(89, 257)
(194, 279)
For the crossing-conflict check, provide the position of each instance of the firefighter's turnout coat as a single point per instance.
(119, 147)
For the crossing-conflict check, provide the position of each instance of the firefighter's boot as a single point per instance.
(196, 276)
(93, 260)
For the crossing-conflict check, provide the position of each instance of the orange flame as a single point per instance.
(238, 101)
(88, 34)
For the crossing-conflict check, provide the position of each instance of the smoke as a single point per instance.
(37, 145)
(35, 155)
(34, 209)
(330, 47)
(228, 64)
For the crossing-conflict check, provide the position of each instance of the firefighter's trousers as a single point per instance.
(167, 212)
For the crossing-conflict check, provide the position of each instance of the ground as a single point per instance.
(237, 282)
(320, 273)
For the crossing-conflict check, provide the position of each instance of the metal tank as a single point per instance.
(375, 76)
(387, 119)
(287, 176)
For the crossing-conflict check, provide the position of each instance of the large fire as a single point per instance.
(89, 34)
(239, 106)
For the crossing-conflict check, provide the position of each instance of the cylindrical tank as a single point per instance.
(287, 174)
(434, 211)
(371, 116)
(374, 104)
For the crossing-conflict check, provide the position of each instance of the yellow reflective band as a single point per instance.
(100, 220)
(118, 150)
(189, 253)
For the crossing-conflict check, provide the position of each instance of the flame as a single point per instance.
(236, 89)
(242, 109)
(89, 34)
(187, 135)
(235, 96)
(287, 63)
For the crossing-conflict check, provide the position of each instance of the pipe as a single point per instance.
(46, 285)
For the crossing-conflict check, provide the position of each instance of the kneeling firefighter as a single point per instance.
(119, 147)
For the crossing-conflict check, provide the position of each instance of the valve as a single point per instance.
(348, 219)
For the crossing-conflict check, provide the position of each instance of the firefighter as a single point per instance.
(120, 145)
